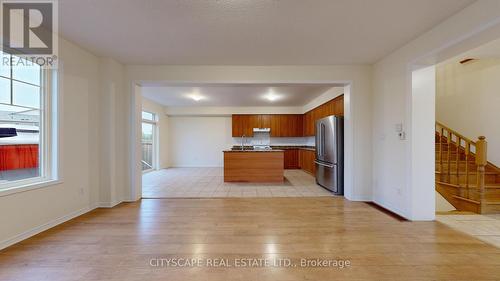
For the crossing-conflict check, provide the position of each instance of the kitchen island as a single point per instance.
(254, 165)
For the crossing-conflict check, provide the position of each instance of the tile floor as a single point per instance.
(484, 227)
(209, 183)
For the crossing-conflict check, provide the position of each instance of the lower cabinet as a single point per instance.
(306, 160)
(292, 159)
(300, 159)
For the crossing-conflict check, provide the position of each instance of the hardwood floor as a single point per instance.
(122, 243)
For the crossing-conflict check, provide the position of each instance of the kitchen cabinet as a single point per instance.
(275, 125)
(306, 160)
(242, 125)
(307, 121)
(286, 125)
(339, 106)
(253, 166)
(291, 159)
(264, 121)
(281, 125)
(332, 107)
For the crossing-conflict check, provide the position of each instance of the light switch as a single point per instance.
(402, 135)
(399, 127)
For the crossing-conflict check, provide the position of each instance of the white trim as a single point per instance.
(108, 204)
(34, 231)
(49, 140)
(23, 186)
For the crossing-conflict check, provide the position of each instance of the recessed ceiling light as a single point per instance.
(271, 96)
(196, 97)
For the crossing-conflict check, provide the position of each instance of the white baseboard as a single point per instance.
(390, 208)
(32, 232)
(108, 204)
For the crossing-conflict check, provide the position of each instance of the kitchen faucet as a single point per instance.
(242, 142)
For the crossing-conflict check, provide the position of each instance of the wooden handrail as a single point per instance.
(448, 137)
(454, 132)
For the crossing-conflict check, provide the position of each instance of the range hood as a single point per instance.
(261, 130)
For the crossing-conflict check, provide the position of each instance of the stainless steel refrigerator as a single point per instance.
(330, 153)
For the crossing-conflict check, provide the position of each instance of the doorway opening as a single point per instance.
(463, 149)
(195, 124)
(148, 141)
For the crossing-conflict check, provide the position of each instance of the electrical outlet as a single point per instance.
(82, 191)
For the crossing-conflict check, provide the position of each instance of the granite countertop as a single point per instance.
(248, 148)
(254, 150)
(305, 147)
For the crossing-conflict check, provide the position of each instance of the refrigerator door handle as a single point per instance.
(325, 165)
(322, 139)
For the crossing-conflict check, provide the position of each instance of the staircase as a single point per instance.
(464, 177)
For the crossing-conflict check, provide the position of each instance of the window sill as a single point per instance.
(27, 187)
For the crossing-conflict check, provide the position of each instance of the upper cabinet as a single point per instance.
(286, 125)
(241, 125)
(289, 125)
(332, 107)
(281, 125)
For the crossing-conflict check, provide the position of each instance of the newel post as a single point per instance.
(481, 161)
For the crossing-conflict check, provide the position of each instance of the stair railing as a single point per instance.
(470, 149)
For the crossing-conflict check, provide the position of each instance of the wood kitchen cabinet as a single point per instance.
(292, 159)
(287, 125)
(306, 160)
(339, 106)
(281, 125)
(242, 125)
(264, 121)
(275, 125)
(332, 107)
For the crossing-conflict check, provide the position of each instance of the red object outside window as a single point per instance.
(23, 156)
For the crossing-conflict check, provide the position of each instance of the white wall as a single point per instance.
(198, 141)
(422, 143)
(162, 125)
(26, 213)
(112, 141)
(392, 158)
(228, 110)
(357, 101)
(468, 99)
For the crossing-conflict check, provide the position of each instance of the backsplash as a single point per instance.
(263, 140)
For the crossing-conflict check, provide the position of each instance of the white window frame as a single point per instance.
(153, 122)
(48, 139)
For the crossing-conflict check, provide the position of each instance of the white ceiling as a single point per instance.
(249, 32)
(234, 94)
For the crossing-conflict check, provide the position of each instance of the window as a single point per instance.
(25, 115)
(148, 141)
